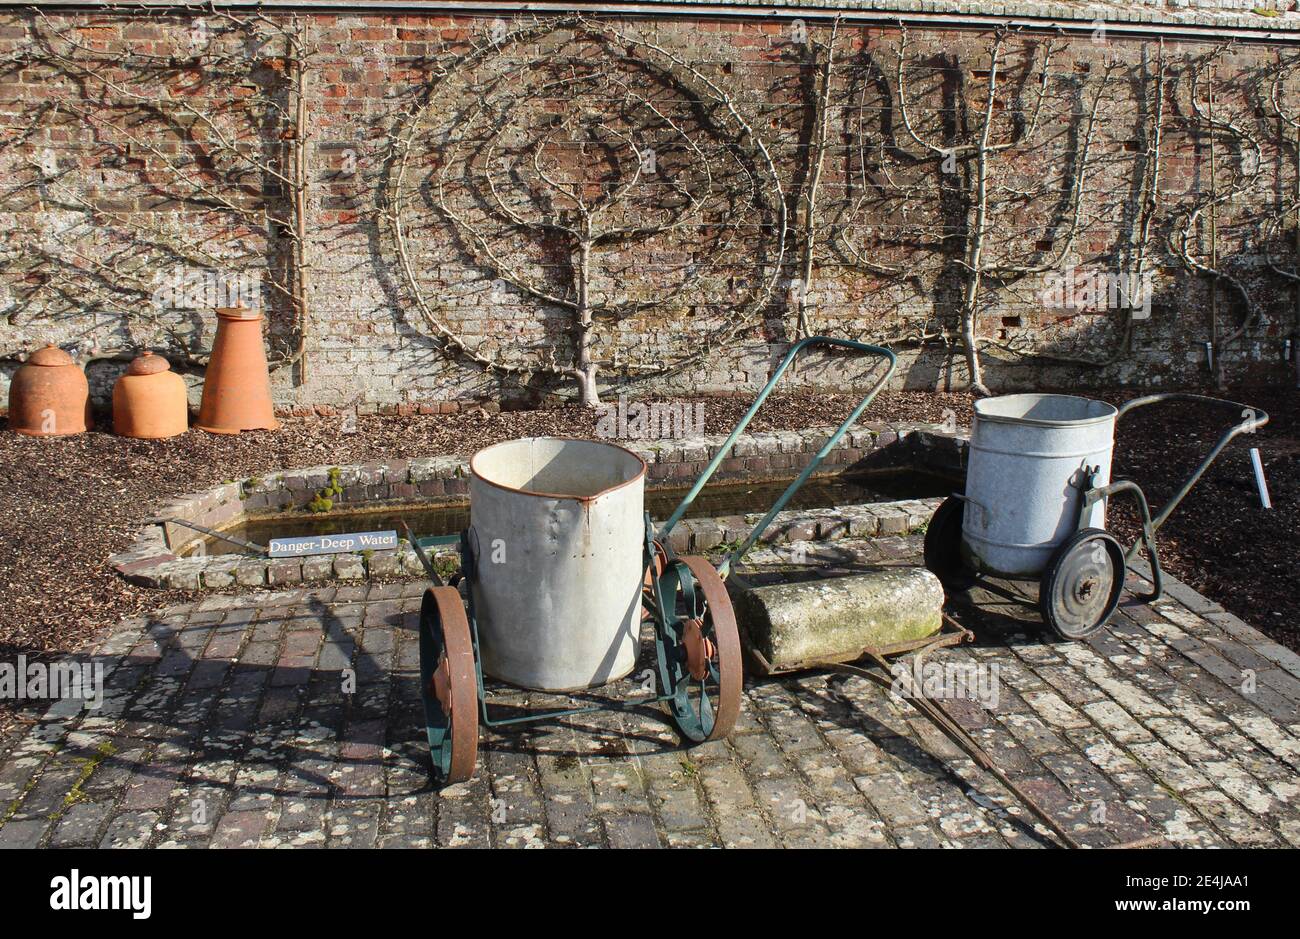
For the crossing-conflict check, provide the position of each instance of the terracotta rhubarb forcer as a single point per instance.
(237, 388)
(149, 401)
(49, 396)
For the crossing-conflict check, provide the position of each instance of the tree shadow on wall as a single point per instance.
(604, 215)
(120, 241)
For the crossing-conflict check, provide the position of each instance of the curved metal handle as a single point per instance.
(1256, 420)
(1253, 419)
(790, 356)
(1146, 539)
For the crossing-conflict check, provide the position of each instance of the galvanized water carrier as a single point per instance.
(557, 529)
(1028, 455)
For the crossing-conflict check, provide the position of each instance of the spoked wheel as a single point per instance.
(700, 668)
(448, 685)
(943, 545)
(1081, 586)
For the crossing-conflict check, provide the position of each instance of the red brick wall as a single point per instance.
(118, 188)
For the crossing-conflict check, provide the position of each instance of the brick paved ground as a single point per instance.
(226, 723)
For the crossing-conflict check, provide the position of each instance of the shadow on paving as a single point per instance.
(278, 722)
(1002, 615)
(310, 702)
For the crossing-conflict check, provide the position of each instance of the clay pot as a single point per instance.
(237, 388)
(149, 401)
(49, 396)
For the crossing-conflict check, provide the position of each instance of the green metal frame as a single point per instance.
(694, 723)
(734, 558)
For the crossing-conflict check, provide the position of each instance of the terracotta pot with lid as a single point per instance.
(237, 386)
(149, 400)
(49, 396)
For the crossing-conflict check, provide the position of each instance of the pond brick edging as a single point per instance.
(153, 559)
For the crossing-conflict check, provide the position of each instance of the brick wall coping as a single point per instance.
(1132, 15)
(153, 559)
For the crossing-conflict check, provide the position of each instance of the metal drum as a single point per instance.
(556, 527)
(1030, 456)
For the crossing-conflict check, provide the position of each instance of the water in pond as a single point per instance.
(724, 498)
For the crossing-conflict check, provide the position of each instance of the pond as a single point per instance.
(725, 498)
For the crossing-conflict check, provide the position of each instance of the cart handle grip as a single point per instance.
(733, 558)
(1252, 420)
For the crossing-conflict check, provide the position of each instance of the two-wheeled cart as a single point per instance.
(558, 570)
(1034, 506)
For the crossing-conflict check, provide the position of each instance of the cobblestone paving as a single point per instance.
(227, 723)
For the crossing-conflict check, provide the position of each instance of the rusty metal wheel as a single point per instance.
(700, 664)
(657, 560)
(448, 685)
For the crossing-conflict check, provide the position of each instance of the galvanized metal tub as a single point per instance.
(558, 530)
(1028, 455)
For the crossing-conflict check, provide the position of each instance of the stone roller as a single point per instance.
(791, 626)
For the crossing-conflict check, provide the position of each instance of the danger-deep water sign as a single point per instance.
(333, 544)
